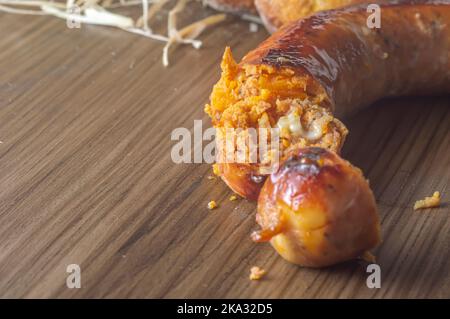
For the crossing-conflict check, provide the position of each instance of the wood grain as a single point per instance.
(86, 176)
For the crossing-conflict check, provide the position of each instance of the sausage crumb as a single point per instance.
(428, 202)
(256, 273)
(369, 257)
(212, 205)
(233, 198)
(216, 170)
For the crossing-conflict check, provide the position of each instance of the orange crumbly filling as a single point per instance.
(261, 96)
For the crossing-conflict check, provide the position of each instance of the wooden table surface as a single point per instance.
(86, 176)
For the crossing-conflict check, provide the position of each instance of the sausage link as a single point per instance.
(317, 210)
(330, 64)
(355, 65)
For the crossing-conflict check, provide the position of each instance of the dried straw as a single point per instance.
(100, 12)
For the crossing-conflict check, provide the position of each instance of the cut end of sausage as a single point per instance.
(288, 108)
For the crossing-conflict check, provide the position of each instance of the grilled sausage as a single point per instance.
(317, 210)
(330, 64)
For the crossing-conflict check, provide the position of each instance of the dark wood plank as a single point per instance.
(86, 176)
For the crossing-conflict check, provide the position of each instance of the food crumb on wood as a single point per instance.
(428, 202)
(212, 205)
(210, 177)
(256, 273)
(369, 257)
(233, 198)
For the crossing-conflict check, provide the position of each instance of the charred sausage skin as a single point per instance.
(356, 65)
